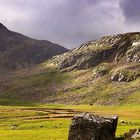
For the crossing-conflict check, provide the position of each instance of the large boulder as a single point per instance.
(87, 126)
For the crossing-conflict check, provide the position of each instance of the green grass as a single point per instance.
(28, 122)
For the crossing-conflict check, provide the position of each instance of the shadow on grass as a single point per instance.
(120, 138)
(8, 102)
(41, 80)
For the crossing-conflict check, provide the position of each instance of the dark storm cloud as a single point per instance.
(131, 10)
(67, 22)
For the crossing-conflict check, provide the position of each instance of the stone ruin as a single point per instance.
(87, 126)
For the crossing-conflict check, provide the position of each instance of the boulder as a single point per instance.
(136, 135)
(133, 134)
(87, 126)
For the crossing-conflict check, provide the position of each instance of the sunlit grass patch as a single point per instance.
(37, 122)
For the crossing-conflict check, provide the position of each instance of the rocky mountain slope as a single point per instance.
(19, 51)
(122, 47)
(104, 71)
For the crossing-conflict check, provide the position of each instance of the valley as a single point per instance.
(100, 77)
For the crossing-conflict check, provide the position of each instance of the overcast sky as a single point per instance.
(70, 22)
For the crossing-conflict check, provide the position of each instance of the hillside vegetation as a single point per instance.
(105, 72)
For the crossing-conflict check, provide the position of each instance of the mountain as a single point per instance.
(18, 51)
(122, 48)
(104, 72)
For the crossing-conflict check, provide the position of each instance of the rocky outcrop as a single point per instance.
(133, 134)
(133, 54)
(126, 74)
(87, 126)
(101, 70)
(110, 48)
(124, 48)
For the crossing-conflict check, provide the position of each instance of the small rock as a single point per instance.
(122, 121)
(13, 126)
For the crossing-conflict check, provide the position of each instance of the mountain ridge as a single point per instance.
(20, 51)
(108, 44)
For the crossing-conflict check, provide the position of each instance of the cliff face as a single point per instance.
(18, 51)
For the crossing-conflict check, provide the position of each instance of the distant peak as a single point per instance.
(2, 26)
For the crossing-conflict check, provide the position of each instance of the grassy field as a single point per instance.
(51, 122)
